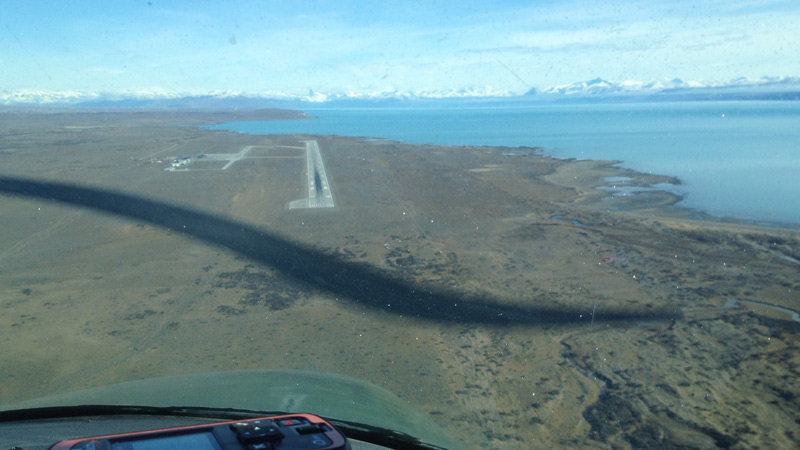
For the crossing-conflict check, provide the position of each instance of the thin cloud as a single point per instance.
(367, 45)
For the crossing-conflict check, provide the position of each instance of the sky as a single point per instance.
(343, 46)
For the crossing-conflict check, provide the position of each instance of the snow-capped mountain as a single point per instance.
(155, 95)
(601, 87)
(596, 89)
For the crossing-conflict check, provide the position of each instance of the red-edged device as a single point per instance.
(289, 432)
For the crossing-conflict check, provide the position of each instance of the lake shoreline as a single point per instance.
(513, 285)
(731, 157)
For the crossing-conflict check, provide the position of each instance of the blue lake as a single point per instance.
(735, 159)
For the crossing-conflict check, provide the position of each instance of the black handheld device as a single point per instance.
(287, 432)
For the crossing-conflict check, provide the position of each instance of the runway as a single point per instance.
(319, 189)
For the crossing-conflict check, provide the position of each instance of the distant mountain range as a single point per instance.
(766, 88)
(596, 90)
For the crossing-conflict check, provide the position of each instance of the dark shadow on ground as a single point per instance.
(360, 283)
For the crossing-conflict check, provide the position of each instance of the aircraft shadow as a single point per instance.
(359, 283)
